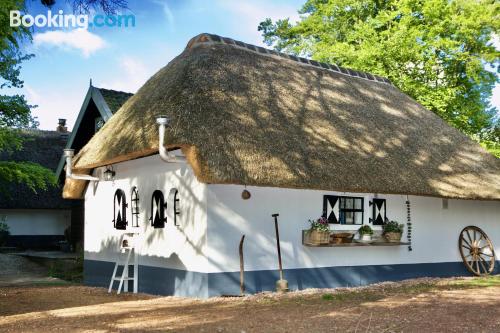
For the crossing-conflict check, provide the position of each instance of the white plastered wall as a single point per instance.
(32, 222)
(178, 247)
(434, 236)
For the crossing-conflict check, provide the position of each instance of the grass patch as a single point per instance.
(56, 283)
(477, 282)
(68, 270)
(327, 297)
(376, 293)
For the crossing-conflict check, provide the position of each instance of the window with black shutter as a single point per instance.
(134, 206)
(173, 199)
(343, 210)
(158, 206)
(378, 211)
(120, 210)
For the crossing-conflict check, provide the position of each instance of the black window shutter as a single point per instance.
(379, 214)
(158, 206)
(331, 208)
(120, 210)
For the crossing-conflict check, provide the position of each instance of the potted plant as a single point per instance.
(319, 232)
(393, 231)
(365, 233)
(4, 231)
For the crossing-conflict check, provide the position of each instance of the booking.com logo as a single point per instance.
(61, 20)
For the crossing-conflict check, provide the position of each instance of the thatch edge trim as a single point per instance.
(74, 189)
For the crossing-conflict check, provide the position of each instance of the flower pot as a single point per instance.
(366, 237)
(393, 237)
(319, 237)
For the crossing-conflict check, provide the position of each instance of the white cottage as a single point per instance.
(305, 139)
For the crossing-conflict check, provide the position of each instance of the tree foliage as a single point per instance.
(437, 51)
(490, 139)
(15, 112)
(86, 6)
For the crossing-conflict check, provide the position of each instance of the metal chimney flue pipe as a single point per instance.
(68, 155)
(165, 155)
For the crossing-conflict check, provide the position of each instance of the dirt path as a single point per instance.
(471, 305)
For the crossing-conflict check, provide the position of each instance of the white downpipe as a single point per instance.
(69, 153)
(165, 155)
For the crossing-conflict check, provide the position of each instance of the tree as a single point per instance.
(15, 112)
(437, 51)
(85, 6)
(490, 139)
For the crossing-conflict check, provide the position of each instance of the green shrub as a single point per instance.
(365, 230)
(4, 230)
(4, 227)
(393, 226)
(327, 297)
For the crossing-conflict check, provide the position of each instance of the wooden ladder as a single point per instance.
(130, 260)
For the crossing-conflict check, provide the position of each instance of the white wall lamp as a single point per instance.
(166, 156)
(109, 174)
(68, 154)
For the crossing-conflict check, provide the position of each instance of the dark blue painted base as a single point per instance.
(39, 242)
(152, 280)
(164, 281)
(330, 277)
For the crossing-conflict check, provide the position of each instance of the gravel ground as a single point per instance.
(18, 270)
(422, 305)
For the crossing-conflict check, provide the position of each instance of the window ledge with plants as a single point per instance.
(320, 235)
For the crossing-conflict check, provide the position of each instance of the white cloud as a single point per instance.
(249, 14)
(133, 74)
(169, 16)
(77, 39)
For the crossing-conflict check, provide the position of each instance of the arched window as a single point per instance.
(134, 206)
(158, 206)
(120, 210)
(173, 199)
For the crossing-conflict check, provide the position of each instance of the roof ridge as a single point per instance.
(41, 131)
(206, 38)
(119, 91)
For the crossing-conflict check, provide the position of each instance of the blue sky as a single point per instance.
(57, 78)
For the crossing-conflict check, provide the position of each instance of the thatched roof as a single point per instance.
(114, 98)
(247, 115)
(44, 148)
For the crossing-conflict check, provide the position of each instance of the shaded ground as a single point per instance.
(40, 267)
(424, 305)
(18, 270)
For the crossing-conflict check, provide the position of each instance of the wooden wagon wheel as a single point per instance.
(476, 251)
